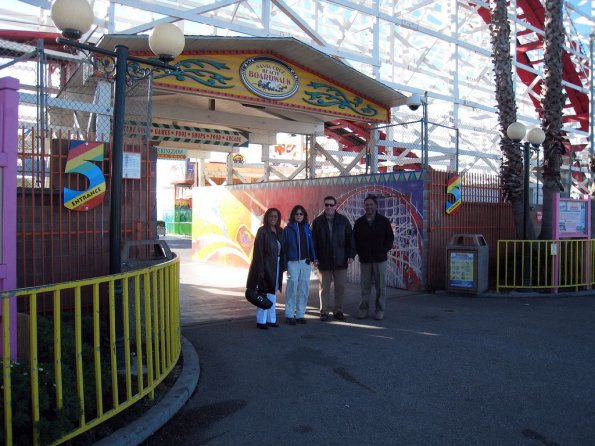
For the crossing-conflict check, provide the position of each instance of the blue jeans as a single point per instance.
(298, 288)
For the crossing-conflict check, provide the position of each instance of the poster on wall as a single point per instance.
(225, 223)
(572, 217)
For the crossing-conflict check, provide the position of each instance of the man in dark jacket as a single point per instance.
(333, 238)
(374, 238)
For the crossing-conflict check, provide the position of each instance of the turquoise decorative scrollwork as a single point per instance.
(197, 70)
(331, 96)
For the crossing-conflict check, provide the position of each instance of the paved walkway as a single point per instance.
(438, 370)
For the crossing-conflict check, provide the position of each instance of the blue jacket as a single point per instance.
(290, 240)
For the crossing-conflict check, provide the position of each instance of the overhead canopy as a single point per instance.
(313, 87)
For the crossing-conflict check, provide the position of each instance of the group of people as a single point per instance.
(330, 244)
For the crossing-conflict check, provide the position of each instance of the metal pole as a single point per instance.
(592, 93)
(425, 134)
(117, 158)
(527, 154)
(115, 263)
(457, 150)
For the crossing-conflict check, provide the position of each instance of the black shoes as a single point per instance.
(290, 321)
(262, 326)
(272, 324)
(339, 316)
(324, 317)
(301, 320)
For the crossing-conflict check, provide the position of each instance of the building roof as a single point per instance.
(287, 48)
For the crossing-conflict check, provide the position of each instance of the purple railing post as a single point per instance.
(9, 123)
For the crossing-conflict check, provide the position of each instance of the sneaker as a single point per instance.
(324, 317)
(379, 315)
(290, 321)
(339, 316)
(301, 320)
(362, 313)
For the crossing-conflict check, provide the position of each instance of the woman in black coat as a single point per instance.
(267, 266)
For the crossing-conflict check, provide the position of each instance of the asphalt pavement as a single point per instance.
(440, 369)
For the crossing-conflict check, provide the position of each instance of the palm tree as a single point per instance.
(511, 170)
(553, 105)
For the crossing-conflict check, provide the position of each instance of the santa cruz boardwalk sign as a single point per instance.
(269, 78)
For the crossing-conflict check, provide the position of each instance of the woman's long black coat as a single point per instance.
(263, 267)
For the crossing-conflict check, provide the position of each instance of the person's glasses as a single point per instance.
(298, 213)
(329, 205)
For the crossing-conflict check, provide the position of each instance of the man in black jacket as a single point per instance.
(374, 237)
(333, 239)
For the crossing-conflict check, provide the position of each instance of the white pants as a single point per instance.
(264, 316)
(298, 287)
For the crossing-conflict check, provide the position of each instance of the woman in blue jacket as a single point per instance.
(299, 249)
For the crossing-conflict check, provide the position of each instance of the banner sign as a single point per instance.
(453, 195)
(190, 135)
(80, 155)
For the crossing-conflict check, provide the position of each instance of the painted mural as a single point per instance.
(226, 221)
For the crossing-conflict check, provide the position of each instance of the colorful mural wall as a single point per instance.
(226, 221)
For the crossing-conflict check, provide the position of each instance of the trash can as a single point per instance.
(467, 257)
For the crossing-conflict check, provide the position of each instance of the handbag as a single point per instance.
(258, 298)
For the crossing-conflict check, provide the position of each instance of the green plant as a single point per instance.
(54, 423)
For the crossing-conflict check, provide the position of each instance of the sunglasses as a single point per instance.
(329, 205)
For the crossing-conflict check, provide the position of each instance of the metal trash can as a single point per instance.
(467, 257)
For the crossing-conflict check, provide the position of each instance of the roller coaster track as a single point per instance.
(353, 136)
(533, 12)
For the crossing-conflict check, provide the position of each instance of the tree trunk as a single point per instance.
(553, 106)
(511, 170)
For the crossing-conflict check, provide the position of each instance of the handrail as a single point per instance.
(88, 379)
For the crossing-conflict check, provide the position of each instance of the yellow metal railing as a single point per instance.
(88, 377)
(545, 264)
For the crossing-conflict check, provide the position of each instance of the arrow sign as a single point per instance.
(185, 134)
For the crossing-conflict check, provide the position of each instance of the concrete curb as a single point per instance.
(141, 429)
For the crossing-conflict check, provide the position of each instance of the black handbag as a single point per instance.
(258, 298)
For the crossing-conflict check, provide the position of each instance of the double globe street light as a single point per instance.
(74, 18)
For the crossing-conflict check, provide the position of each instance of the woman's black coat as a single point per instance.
(263, 267)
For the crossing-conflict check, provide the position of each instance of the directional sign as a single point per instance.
(190, 135)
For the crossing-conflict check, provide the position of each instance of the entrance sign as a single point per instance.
(80, 155)
(453, 195)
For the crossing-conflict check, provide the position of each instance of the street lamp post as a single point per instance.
(516, 132)
(74, 18)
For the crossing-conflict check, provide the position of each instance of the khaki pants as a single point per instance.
(339, 277)
(378, 272)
